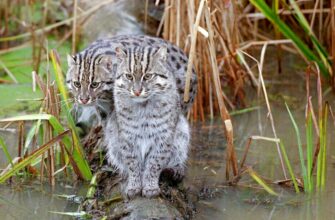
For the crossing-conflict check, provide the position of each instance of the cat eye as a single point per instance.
(129, 76)
(148, 76)
(94, 85)
(76, 84)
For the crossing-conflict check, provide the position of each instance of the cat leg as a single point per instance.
(127, 162)
(156, 161)
(180, 149)
(132, 164)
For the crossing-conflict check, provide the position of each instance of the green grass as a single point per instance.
(6, 152)
(301, 153)
(259, 180)
(309, 142)
(28, 160)
(77, 160)
(307, 167)
(320, 57)
(322, 156)
(289, 167)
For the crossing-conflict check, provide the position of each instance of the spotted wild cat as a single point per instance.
(91, 73)
(147, 132)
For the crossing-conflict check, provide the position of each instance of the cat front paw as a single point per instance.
(150, 192)
(132, 190)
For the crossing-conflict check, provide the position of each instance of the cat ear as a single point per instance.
(107, 61)
(120, 53)
(162, 53)
(71, 60)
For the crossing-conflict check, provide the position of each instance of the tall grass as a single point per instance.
(79, 164)
(301, 153)
(314, 151)
(320, 57)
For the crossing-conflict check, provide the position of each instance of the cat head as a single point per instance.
(89, 77)
(141, 72)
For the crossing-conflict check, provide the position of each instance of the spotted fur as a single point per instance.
(91, 74)
(147, 133)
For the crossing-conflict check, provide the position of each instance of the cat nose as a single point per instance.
(84, 100)
(138, 92)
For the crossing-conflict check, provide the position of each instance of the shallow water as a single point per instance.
(248, 200)
(206, 168)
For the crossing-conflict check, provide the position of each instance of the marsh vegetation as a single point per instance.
(262, 123)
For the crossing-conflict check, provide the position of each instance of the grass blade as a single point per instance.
(28, 160)
(259, 180)
(287, 32)
(290, 170)
(322, 156)
(78, 161)
(5, 150)
(301, 153)
(309, 137)
(317, 45)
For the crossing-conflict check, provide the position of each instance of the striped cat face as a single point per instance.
(141, 72)
(88, 78)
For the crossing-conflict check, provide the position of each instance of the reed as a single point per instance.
(316, 152)
(261, 182)
(6, 152)
(320, 57)
(301, 153)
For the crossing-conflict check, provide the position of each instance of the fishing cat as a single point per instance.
(147, 131)
(91, 73)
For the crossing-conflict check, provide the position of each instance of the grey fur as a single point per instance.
(97, 65)
(147, 132)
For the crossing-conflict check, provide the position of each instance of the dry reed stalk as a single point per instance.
(321, 22)
(261, 64)
(74, 26)
(231, 155)
(178, 23)
(172, 21)
(213, 55)
(166, 20)
(311, 24)
(192, 51)
(246, 151)
(229, 69)
(333, 38)
(21, 141)
(42, 168)
(262, 87)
